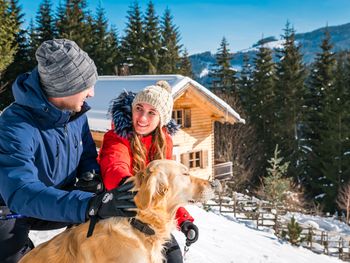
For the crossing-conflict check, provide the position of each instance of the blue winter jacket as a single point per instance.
(42, 151)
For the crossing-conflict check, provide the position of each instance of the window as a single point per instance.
(177, 116)
(182, 117)
(195, 159)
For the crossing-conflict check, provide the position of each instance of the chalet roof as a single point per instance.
(108, 87)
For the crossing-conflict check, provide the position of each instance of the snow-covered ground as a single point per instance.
(225, 240)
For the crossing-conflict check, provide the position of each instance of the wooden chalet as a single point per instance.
(195, 109)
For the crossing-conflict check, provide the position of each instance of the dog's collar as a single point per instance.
(141, 226)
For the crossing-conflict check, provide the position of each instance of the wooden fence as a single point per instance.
(266, 215)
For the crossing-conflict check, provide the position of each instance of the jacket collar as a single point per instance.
(28, 92)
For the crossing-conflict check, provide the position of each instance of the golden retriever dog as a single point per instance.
(162, 188)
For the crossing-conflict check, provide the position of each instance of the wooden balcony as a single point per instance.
(223, 171)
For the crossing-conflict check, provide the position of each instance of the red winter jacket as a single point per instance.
(115, 158)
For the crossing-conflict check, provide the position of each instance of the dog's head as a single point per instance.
(168, 184)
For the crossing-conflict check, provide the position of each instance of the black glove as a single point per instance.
(116, 202)
(191, 232)
(90, 182)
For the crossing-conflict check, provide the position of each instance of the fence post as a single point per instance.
(310, 236)
(234, 204)
(340, 248)
(275, 227)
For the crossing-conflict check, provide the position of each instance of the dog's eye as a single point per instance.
(186, 173)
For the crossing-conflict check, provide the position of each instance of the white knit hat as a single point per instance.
(159, 96)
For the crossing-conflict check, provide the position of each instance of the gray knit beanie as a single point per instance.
(159, 96)
(64, 68)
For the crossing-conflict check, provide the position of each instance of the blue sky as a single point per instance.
(203, 23)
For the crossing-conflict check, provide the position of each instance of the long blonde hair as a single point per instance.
(157, 150)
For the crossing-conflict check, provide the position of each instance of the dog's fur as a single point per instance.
(162, 188)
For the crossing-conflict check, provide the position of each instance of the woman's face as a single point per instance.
(145, 118)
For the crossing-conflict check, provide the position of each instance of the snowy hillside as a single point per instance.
(224, 240)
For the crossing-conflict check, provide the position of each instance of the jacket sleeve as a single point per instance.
(20, 186)
(88, 159)
(115, 160)
(181, 214)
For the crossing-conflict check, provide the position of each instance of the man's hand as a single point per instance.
(117, 202)
(90, 182)
(191, 232)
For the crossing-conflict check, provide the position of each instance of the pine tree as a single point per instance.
(33, 43)
(113, 59)
(223, 75)
(40, 31)
(261, 101)
(44, 22)
(151, 40)
(290, 94)
(324, 147)
(185, 67)
(72, 23)
(21, 59)
(132, 46)
(8, 31)
(169, 57)
(294, 231)
(101, 50)
(276, 184)
(245, 82)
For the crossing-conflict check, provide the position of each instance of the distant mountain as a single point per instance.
(310, 45)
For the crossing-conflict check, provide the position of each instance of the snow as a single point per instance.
(204, 73)
(222, 239)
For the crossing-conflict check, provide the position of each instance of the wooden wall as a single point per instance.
(198, 137)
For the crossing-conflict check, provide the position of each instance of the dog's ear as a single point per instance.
(153, 188)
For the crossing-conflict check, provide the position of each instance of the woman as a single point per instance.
(141, 129)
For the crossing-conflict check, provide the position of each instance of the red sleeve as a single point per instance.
(182, 215)
(115, 159)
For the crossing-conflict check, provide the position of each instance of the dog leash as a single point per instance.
(186, 248)
(6, 214)
(11, 216)
(190, 236)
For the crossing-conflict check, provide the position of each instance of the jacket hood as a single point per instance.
(28, 92)
(120, 110)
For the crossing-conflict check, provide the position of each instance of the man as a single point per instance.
(45, 145)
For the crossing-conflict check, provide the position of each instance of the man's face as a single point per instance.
(73, 102)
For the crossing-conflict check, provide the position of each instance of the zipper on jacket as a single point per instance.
(67, 147)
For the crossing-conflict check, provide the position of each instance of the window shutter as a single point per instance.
(187, 118)
(185, 159)
(204, 159)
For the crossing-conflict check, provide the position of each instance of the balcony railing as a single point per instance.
(223, 171)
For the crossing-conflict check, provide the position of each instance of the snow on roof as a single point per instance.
(108, 87)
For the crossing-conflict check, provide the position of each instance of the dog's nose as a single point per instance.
(216, 185)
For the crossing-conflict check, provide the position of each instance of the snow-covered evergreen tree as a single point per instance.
(132, 45)
(289, 102)
(169, 53)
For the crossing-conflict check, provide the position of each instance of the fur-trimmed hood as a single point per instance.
(121, 112)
